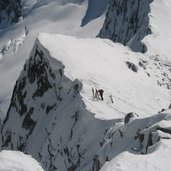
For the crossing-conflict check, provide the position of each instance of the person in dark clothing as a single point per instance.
(101, 93)
(93, 93)
(96, 95)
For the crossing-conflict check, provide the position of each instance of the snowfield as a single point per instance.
(17, 161)
(102, 64)
(159, 41)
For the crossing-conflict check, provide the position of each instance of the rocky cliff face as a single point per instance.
(127, 22)
(10, 12)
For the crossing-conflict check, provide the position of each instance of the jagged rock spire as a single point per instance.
(127, 22)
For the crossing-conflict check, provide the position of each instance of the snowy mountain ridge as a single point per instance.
(17, 41)
(56, 112)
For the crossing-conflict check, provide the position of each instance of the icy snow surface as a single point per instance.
(156, 161)
(17, 161)
(101, 64)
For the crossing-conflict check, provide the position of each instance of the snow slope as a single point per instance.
(39, 16)
(157, 160)
(17, 161)
(159, 41)
(102, 64)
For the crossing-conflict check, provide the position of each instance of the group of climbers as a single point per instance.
(98, 94)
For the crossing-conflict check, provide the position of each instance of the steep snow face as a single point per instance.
(127, 22)
(159, 41)
(17, 161)
(59, 120)
(10, 12)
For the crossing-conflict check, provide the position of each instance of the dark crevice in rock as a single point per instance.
(49, 108)
(166, 130)
(28, 122)
(96, 163)
(6, 139)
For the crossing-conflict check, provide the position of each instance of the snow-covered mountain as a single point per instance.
(50, 105)
(40, 16)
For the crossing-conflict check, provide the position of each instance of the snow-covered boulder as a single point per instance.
(130, 116)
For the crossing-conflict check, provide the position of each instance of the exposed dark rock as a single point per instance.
(166, 130)
(21, 145)
(96, 163)
(141, 64)
(10, 12)
(28, 122)
(49, 108)
(170, 106)
(132, 66)
(6, 139)
(129, 116)
(37, 70)
(127, 22)
(120, 132)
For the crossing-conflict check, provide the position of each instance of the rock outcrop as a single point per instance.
(127, 22)
(10, 12)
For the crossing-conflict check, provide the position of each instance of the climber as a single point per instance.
(101, 93)
(93, 93)
(96, 96)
